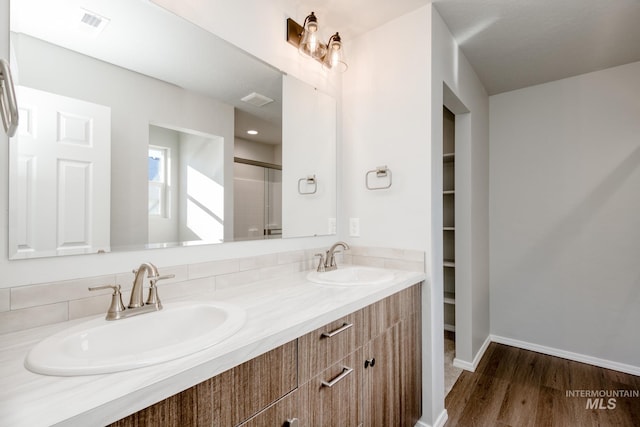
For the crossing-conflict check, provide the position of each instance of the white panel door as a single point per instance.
(60, 162)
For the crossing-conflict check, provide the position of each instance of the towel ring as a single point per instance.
(310, 180)
(380, 172)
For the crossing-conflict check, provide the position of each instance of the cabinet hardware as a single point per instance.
(345, 371)
(342, 328)
(369, 362)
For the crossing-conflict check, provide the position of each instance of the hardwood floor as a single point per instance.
(520, 388)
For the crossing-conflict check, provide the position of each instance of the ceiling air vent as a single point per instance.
(256, 99)
(91, 22)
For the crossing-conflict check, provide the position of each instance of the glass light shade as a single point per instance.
(311, 41)
(334, 59)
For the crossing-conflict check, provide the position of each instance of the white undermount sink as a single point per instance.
(351, 276)
(99, 346)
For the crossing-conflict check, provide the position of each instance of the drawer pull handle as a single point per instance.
(345, 371)
(342, 328)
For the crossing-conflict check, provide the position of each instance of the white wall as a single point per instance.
(386, 112)
(309, 149)
(565, 222)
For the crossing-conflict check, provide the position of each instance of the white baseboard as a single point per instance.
(440, 421)
(476, 360)
(577, 357)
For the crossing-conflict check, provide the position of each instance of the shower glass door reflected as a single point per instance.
(257, 202)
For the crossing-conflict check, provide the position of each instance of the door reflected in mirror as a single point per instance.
(175, 122)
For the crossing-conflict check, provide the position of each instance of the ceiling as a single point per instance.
(512, 43)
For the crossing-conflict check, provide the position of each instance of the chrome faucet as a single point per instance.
(136, 306)
(329, 259)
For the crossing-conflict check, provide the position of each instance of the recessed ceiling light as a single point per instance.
(252, 132)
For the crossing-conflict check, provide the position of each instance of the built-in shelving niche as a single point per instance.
(448, 219)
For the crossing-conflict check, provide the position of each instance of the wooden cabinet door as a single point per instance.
(382, 382)
(392, 362)
(410, 370)
(411, 356)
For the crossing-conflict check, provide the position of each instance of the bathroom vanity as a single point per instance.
(309, 354)
(362, 367)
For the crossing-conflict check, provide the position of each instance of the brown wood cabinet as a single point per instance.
(362, 369)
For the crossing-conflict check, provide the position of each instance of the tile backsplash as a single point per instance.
(30, 306)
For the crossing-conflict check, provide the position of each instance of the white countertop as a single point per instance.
(278, 311)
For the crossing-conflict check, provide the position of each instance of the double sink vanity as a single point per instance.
(335, 347)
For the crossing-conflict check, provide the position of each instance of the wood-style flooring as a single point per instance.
(518, 388)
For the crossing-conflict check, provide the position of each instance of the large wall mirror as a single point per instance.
(138, 130)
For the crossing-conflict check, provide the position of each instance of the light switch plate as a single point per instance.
(354, 227)
(332, 226)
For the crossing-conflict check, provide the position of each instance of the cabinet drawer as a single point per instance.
(280, 414)
(382, 315)
(334, 397)
(325, 346)
(245, 390)
(226, 399)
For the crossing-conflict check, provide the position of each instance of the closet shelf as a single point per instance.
(449, 263)
(448, 157)
(450, 328)
(450, 298)
(446, 192)
(448, 228)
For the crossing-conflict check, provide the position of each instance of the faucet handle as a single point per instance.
(321, 262)
(154, 279)
(117, 307)
(152, 298)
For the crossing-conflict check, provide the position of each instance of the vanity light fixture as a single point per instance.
(334, 58)
(252, 132)
(306, 38)
(310, 43)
